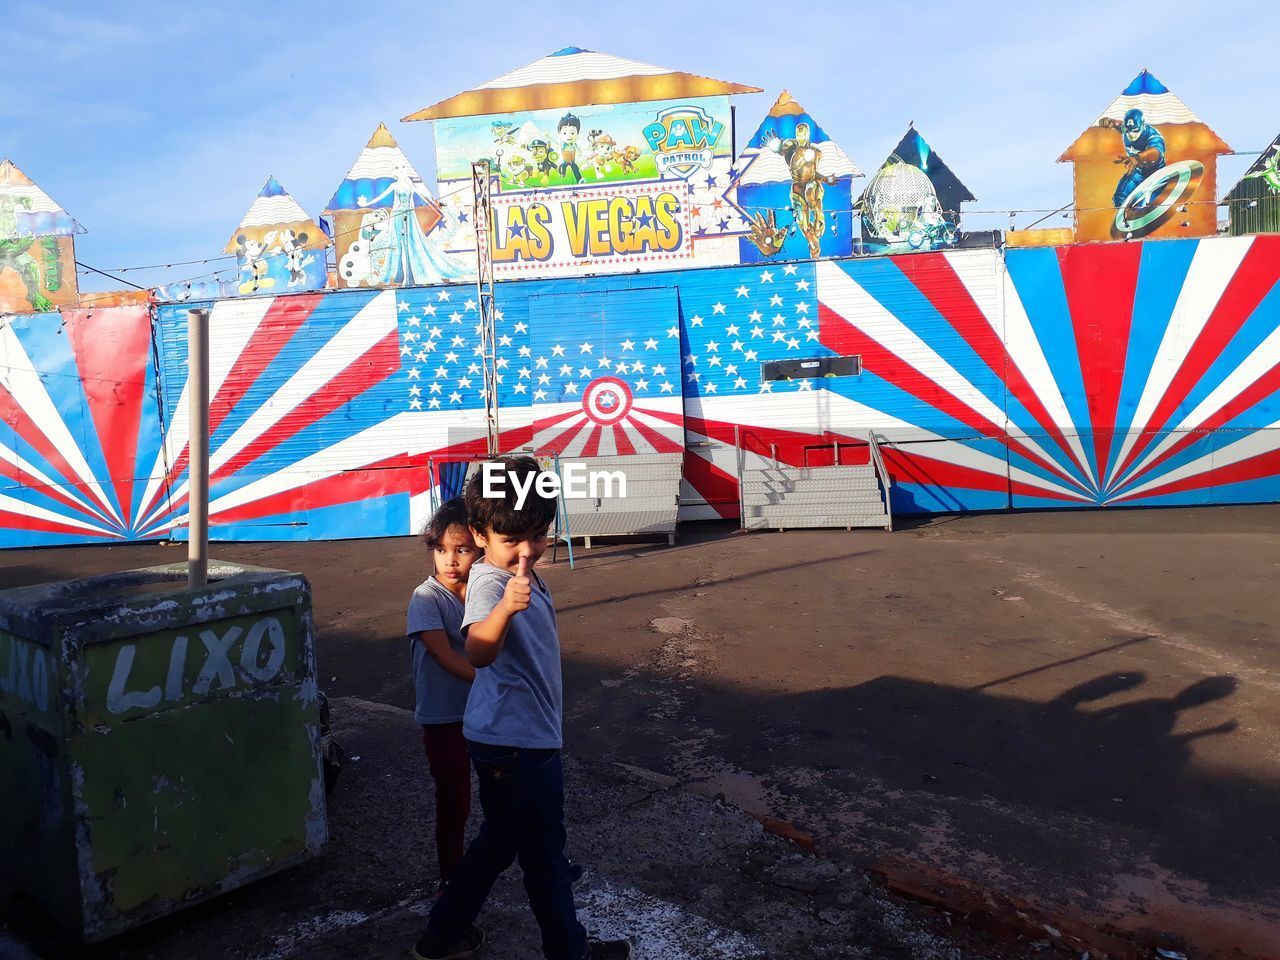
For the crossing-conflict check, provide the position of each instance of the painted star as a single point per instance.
(429, 310)
(473, 369)
(414, 374)
(665, 388)
(455, 397)
(525, 352)
(766, 277)
(713, 346)
(731, 330)
(557, 350)
(737, 344)
(628, 344)
(743, 292)
(429, 346)
(756, 332)
(651, 344)
(779, 336)
(811, 335)
(434, 388)
(717, 307)
(415, 391)
(695, 321)
(504, 341)
(775, 301)
(749, 355)
(804, 323)
(415, 404)
(503, 363)
(754, 316)
(457, 342)
(450, 357)
(739, 384)
(711, 388)
(766, 386)
(793, 343)
(540, 363)
(693, 377)
(405, 350)
(415, 321)
(620, 368)
(802, 307)
(539, 394)
(571, 388)
(434, 403)
(584, 371)
(637, 366)
(543, 380)
(806, 385)
(402, 306)
(520, 388)
(714, 362)
(690, 360)
(779, 320)
(521, 327)
(802, 284)
(464, 383)
(642, 384)
(565, 370)
(673, 332)
(659, 370)
(470, 305)
(435, 332)
(525, 373)
(585, 348)
(789, 270)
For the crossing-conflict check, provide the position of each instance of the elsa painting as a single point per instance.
(407, 256)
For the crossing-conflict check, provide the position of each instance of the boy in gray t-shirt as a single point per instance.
(512, 726)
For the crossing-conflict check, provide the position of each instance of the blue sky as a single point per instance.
(155, 123)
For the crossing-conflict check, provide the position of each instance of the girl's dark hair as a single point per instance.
(499, 514)
(453, 513)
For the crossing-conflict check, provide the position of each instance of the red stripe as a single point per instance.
(112, 346)
(934, 277)
(384, 478)
(1100, 282)
(558, 443)
(363, 373)
(277, 327)
(718, 488)
(939, 475)
(1257, 274)
(1256, 392)
(13, 414)
(1255, 468)
(592, 446)
(59, 493)
(18, 521)
(843, 337)
(660, 442)
(622, 442)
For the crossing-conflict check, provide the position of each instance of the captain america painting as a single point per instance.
(1143, 152)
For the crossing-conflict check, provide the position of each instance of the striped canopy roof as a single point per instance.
(275, 207)
(576, 77)
(1158, 105)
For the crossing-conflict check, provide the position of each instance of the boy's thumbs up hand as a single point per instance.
(519, 588)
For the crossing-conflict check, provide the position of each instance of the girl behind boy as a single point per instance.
(442, 675)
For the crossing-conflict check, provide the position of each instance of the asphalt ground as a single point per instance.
(1011, 723)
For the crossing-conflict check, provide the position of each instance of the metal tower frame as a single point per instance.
(482, 217)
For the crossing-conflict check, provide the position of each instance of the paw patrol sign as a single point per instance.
(683, 140)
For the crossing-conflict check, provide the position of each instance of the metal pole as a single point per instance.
(198, 441)
(482, 218)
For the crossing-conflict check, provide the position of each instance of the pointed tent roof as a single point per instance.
(373, 170)
(275, 207)
(760, 165)
(34, 213)
(577, 77)
(1158, 105)
(1254, 171)
(915, 150)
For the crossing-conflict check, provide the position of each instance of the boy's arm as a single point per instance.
(486, 637)
(437, 645)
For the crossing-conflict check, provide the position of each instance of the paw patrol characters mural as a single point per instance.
(278, 248)
(588, 145)
(388, 227)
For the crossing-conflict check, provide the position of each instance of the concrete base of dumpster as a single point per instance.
(158, 746)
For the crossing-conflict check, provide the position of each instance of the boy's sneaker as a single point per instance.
(468, 946)
(608, 950)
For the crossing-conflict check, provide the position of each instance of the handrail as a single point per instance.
(883, 472)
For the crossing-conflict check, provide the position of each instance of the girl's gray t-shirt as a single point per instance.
(441, 697)
(516, 701)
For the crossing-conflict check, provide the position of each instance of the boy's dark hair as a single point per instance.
(499, 514)
(452, 513)
(569, 120)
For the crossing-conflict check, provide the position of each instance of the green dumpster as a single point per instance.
(158, 745)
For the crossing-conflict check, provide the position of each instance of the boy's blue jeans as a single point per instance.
(522, 796)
